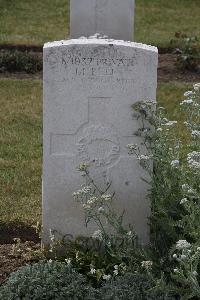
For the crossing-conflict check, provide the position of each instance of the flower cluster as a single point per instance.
(147, 264)
(175, 163)
(186, 271)
(98, 235)
(182, 244)
(193, 160)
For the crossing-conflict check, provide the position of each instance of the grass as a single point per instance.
(158, 20)
(36, 22)
(21, 144)
(33, 22)
(20, 150)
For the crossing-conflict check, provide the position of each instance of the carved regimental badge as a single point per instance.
(98, 146)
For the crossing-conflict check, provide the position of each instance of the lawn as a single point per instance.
(20, 149)
(36, 22)
(21, 144)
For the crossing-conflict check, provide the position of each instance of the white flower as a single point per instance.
(165, 120)
(159, 129)
(191, 191)
(185, 187)
(115, 272)
(170, 123)
(182, 244)
(184, 200)
(183, 256)
(123, 267)
(129, 233)
(98, 235)
(101, 209)
(86, 206)
(68, 261)
(106, 197)
(175, 270)
(194, 164)
(193, 159)
(195, 273)
(86, 189)
(195, 133)
(52, 236)
(196, 86)
(174, 256)
(132, 147)
(143, 157)
(147, 264)
(106, 277)
(50, 261)
(188, 93)
(92, 271)
(92, 200)
(174, 163)
(83, 166)
(116, 267)
(188, 101)
(198, 248)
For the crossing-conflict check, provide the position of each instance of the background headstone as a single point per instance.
(113, 18)
(89, 87)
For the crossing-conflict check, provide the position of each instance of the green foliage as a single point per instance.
(188, 52)
(175, 192)
(92, 258)
(175, 175)
(18, 61)
(107, 252)
(186, 270)
(133, 287)
(46, 280)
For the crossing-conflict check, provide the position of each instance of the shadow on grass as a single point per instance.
(9, 231)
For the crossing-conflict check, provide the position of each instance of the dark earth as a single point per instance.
(30, 241)
(167, 71)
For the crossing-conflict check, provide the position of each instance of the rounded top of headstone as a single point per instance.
(100, 40)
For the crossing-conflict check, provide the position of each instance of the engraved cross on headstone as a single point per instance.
(112, 18)
(95, 142)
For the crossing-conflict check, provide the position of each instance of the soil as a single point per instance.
(9, 261)
(167, 71)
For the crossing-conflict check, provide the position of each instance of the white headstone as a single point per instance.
(113, 18)
(89, 87)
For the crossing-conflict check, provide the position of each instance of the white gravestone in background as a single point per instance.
(113, 18)
(89, 87)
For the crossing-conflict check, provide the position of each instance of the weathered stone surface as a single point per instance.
(89, 87)
(113, 18)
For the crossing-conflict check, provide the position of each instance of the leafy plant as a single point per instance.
(188, 50)
(112, 249)
(175, 192)
(186, 270)
(19, 61)
(134, 287)
(46, 280)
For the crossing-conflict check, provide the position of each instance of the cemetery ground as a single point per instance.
(21, 158)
